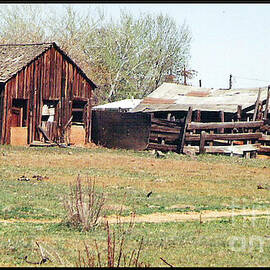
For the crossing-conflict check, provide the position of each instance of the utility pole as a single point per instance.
(230, 82)
(185, 75)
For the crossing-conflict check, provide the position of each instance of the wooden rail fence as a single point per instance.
(212, 137)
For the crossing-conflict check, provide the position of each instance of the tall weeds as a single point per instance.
(84, 204)
(115, 254)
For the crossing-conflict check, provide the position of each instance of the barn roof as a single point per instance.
(176, 97)
(14, 57)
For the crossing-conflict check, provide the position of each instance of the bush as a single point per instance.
(84, 205)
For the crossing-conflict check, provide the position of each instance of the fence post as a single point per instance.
(202, 142)
(267, 103)
(181, 142)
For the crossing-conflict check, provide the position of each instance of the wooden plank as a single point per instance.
(197, 116)
(239, 112)
(236, 149)
(163, 129)
(267, 104)
(257, 105)
(161, 147)
(263, 149)
(229, 136)
(44, 133)
(163, 122)
(68, 123)
(202, 142)
(42, 144)
(260, 111)
(77, 109)
(166, 136)
(182, 136)
(9, 105)
(4, 115)
(264, 138)
(88, 122)
(221, 115)
(218, 125)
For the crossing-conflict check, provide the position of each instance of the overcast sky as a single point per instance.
(227, 39)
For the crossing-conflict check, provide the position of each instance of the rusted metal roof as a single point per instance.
(204, 99)
(149, 100)
(14, 57)
(197, 94)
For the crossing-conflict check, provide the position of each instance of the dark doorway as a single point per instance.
(18, 113)
(78, 112)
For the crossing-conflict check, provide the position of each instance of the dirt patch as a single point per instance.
(165, 217)
(181, 206)
(36, 221)
(190, 216)
(77, 135)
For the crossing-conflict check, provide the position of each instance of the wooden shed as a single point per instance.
(41, 88)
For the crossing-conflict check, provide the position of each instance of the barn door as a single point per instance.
(17, 122)
(18, 113)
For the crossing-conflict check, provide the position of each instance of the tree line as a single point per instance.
(125, 57)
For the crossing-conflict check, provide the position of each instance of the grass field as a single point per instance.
(32, 210)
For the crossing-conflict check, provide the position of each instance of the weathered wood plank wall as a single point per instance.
(121, 130)
(1, 106)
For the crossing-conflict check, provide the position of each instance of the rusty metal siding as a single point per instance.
(51, 76)
(121, 130)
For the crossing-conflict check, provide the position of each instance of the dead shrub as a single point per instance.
(115, 253)
(84, 205)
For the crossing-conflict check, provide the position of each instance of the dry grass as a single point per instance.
(178, 183)
(174, 174)
(125, 172)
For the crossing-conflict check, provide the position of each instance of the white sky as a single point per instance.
(227, 39)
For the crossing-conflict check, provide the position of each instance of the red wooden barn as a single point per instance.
(41, 88)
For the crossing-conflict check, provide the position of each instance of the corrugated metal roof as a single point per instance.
(123, 104)
(204, 99)
(174, 90)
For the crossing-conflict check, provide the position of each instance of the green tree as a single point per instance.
(126, 57)
(22, 24)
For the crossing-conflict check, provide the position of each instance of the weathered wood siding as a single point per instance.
(1, 107)
(51, 76)
(121, 130)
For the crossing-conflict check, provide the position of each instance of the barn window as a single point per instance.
(78, 112)
(49, 110)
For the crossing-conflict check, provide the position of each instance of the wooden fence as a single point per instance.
(241, 137)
